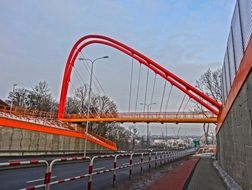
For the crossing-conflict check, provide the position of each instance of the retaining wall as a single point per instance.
(15, 141)
(234, 140)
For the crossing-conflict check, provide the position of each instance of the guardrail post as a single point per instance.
(90, 171)
(149, 160)
(114, 171)
(141, 163)
(130, 165)
(156, 160)
(47, 179)
(165, 158)
(160, 158)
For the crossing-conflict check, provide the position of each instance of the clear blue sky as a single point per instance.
(185, 36)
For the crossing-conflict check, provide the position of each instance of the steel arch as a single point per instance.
(200, 97)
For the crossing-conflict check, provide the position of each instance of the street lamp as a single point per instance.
(13, 91)
(89, 95)
(148, 130)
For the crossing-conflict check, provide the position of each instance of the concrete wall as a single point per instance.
(17, 141)
(235, 138)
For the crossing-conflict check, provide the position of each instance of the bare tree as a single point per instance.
(102, 105)
(72, 106)
(210, 83)
(19, 97)
(40, 98)
(80, 98)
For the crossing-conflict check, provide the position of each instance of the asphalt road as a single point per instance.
(25, 177)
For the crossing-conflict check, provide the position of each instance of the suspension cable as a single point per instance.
(79, 78)
(72, 88)
(153, 88)
(138, 85)
(168, 99)
(131, 78)
(95, 79)
(163, 97)
(146, 89)
(97, 83)
(186, 104)
(181, 104)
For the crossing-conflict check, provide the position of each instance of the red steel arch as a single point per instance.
(200, 97)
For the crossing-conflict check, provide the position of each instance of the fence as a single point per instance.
(238, 39)
(155, 157)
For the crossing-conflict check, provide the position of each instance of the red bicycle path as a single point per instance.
(177, 178)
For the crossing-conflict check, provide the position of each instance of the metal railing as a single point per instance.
(145, 115)
(154, 157)
(238, 39)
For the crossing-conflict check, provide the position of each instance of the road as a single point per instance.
(25, 177)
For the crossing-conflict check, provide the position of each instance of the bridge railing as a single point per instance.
(20, 111)
(144, 115)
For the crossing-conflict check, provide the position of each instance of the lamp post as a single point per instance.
(89, 96)
(148, 132)
(13, 91)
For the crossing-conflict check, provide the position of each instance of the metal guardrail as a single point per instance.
(161, 157)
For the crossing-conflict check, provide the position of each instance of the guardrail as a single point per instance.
(31, 162)
(155, 157)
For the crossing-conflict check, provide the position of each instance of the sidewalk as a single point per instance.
(206, 177)
(176, 179)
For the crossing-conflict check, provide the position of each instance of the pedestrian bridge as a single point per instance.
(148, 117)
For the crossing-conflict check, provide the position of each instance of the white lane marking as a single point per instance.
(98, 168)
(41, 179)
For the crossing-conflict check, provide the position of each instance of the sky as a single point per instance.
(185, 36)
